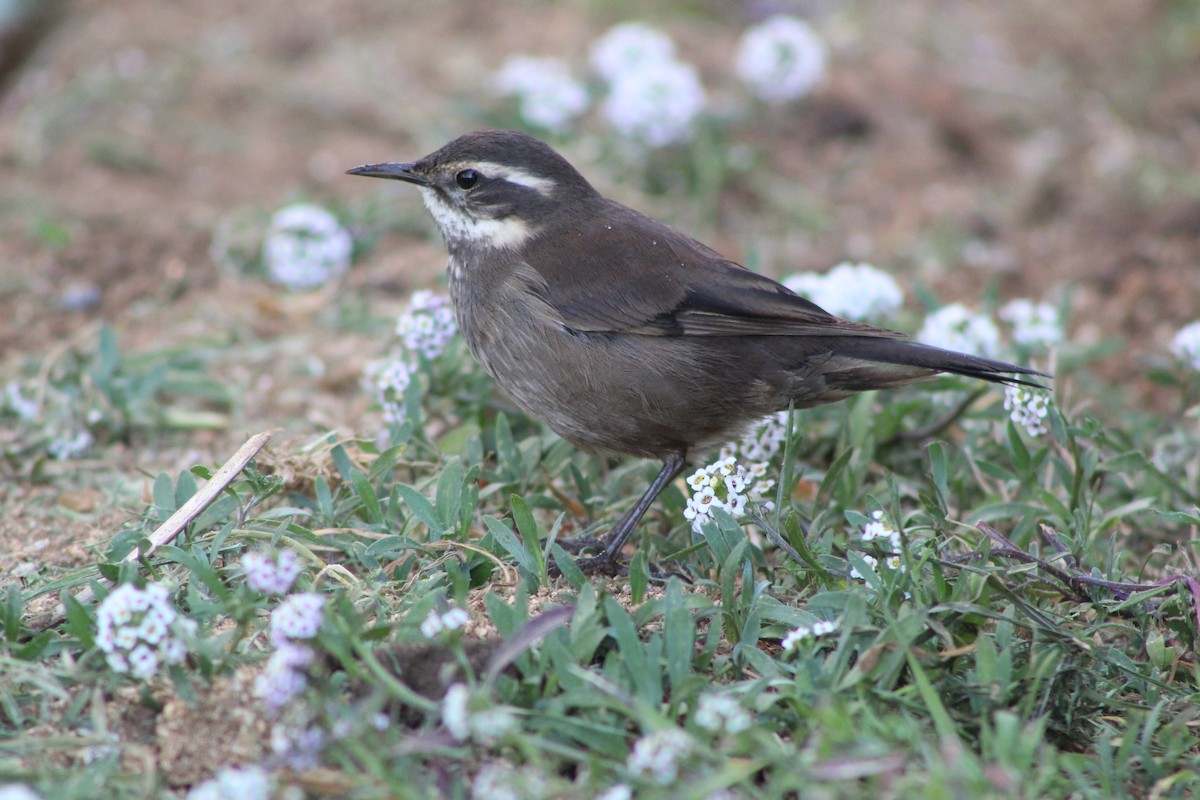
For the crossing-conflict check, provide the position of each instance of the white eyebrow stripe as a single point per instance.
(539, 184)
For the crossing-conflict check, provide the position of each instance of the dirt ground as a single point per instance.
(1040, 148)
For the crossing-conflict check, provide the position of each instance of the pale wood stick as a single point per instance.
(178, 521)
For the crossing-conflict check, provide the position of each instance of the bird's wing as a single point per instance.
(652, 280)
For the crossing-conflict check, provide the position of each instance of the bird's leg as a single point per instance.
(673, 464)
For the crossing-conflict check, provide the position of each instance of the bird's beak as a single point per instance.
(397, 172)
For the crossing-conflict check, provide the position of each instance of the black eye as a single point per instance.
(466, 178)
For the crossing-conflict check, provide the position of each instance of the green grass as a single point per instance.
(988, 666)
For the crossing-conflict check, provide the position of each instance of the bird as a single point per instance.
(625, 335)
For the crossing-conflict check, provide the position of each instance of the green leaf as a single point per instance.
(679, 634)
(527, 527)
(448, 494)
(423, 510)
(372, 511)
(566, 565)
(512, 545)
(644, 676)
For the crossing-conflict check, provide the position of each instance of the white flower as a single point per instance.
(490, 724)
(620, 791)
(658, 756)
(953, 327)
(484, 724)
(656, 105)
(762, 442)
(724, 484)
(297, 617)
(872, 562)
(502, 782)
(453, 619)
(271, 575)
(803, 632)
(1028, 408)
(138, 630)
(298, 747)
(722, 712)
(284, 676)
(549, 97)
(428, 325)
(1033, 324)
(18, 791)
(67, 446)
(305, 247)
(1186, 344)
(26, 408)
(389, 380)
(234, 783)
(880, 528)
(456, 716)
(782, 59)
(630, 48)
(852, 291)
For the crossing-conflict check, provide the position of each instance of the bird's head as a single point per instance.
(491, 188)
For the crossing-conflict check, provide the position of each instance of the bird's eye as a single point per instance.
(466, 178)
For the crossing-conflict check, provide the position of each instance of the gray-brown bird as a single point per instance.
(624, 334)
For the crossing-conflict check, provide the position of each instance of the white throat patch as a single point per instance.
(459, 227)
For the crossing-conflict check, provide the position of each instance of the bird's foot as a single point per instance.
(602, 564)
(582, 543)
(612, 567)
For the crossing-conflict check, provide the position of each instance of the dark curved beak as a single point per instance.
(396, 172)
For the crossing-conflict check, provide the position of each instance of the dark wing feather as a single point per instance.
(636, 276)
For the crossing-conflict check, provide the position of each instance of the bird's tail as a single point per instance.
(864, 363)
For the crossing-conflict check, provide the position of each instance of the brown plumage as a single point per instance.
(624, 334)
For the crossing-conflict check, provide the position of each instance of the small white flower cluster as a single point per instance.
(306, 247)
(297, 617)
(629, 47)
(1186, 344)
(653, 98)
(1033, 324)
(549, 97)
(139, 629)
(18, 791)
(954, 327)
(852, 291)
(230, 783)
(1028, 408)
(618, 791)
(298, 745)
(782, 59)
(268, 575)
(467, 716)
(389, 380)
(761, 443)
(452, 620)
(723, 484)
(428, 325)
(880, 528)
(67, 446)
(25, 408)
(722, 713)
(804, 632)
(659, 755)
(500, 781)
(658, 107)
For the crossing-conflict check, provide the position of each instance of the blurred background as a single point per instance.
(976, 151)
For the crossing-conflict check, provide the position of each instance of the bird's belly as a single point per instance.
(640, 395)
